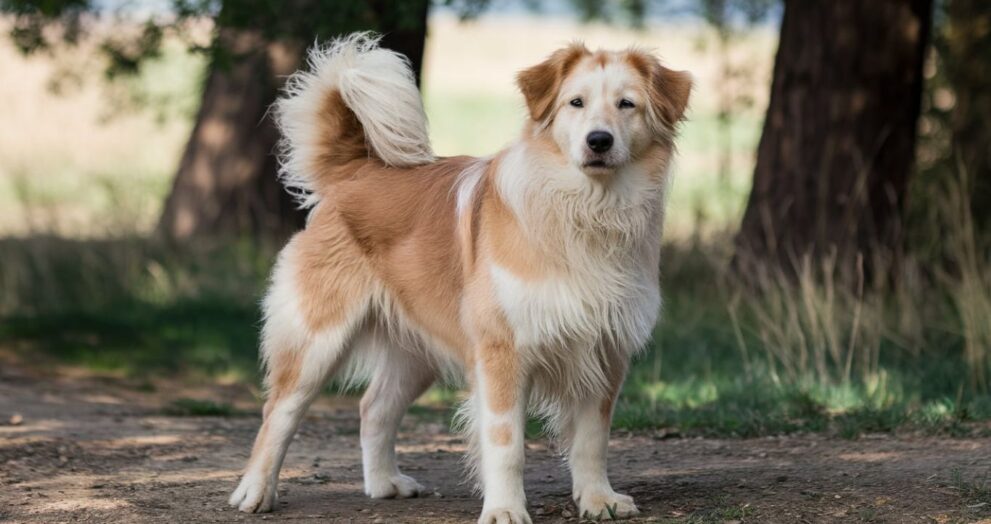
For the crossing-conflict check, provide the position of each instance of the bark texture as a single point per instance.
(968, 64)
(839, 137)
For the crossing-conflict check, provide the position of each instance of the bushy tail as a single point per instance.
(356, 100)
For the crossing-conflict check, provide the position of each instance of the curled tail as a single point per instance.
(356, 100)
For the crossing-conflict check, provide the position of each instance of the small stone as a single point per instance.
(566, 514)
(16, 419)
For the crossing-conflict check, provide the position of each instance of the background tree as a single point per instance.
(226, 182)
(839, 137)
(966, 48)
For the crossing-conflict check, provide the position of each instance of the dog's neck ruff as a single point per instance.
(562, 209)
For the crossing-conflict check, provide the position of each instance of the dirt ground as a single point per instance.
(75, 448)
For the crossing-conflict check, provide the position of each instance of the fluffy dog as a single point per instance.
(532, 273)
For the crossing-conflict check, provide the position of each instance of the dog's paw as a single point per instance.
(505, 516)
(605, 504)
(393, 486)
(253, 495)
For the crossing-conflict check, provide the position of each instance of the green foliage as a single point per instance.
(31, 17)
(44, 25)
(720, 14)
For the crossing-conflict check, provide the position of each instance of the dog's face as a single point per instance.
(604, 110)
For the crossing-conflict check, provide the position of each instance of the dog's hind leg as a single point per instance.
(304, 342)
(400, 376)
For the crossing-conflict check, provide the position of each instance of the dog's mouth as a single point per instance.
(598, 165)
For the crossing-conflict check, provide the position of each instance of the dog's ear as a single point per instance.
(540, 84)
(669, 92)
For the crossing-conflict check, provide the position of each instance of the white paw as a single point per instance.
(605, 504)
(253, 495)
(505, 516)
(393, 486)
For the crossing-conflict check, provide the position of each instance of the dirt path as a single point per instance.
(91, 450)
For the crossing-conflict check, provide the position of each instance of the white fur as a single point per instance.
(467, 184)
(588, 438)
(376, 84)
(500, 466)
(601, 89)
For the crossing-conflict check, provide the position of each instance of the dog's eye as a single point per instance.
(626, 104)
(577, 102)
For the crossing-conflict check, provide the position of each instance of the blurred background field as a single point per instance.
(85, 166)
(77, 159)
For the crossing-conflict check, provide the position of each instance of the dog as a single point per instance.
(532, 273)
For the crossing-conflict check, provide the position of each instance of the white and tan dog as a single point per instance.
(532, 273)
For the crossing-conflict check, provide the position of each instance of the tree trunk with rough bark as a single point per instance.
(968, 64)
(226, 185)
(839, 136)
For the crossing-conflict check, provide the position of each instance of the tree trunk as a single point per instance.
(839, 135)
(968, 65)
(226, 185)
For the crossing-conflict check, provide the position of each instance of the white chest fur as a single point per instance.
(579, 309)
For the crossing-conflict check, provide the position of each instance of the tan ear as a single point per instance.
(669, 93)
(540, 84)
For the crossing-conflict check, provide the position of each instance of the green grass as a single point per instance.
(720, 514)
(128, 306)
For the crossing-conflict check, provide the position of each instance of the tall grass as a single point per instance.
(813, 348)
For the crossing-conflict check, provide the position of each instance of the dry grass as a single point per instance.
(70, 162)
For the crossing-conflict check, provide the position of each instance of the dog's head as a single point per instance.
(605, 110)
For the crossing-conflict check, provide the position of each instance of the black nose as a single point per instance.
(599, 141)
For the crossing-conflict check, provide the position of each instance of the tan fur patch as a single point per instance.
(668, 90)
(283, 374)
(507, 245)
(616, 371)
(501, 434)
(330, 271)
(405, 223)
(341, 138)
(540, 83)
(500, 367)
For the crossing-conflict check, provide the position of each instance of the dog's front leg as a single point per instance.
(500, 402)
(586, 433)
